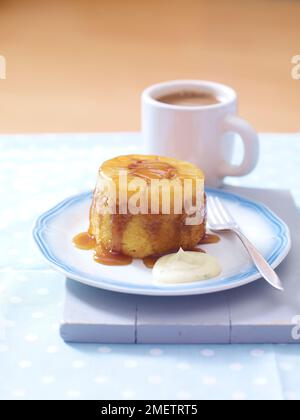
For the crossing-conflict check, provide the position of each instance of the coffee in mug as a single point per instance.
(190, 98)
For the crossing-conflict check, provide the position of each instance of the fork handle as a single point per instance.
(261, 264)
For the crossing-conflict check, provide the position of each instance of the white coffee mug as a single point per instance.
(200, 134)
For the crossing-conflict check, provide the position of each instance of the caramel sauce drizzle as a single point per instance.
(87, 242)
(114, 258)
(118, 226)
(152, 169)
(150, 261)
(209, 238)
(84, 241)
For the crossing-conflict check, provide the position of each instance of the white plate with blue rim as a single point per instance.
(55, 229)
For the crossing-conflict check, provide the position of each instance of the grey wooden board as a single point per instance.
(251, 314)
(92, 315)
(188, 319)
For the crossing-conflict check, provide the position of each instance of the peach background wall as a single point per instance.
(79, 65)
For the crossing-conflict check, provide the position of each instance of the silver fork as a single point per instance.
(219, 219)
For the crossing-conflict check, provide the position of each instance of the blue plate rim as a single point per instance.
(279, 253)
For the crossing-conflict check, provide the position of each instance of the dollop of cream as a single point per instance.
(185, 267)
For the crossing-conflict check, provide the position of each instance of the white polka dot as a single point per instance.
(19, 393)
(16, 300)
(128, 393)
(208, 353)
(31, 338)
(183, 395)
(257, 353)
(291, 395)
(156, 352)
(78, 364)
(237, 367)
(104, 349)
(37, 315)
(52, 349)
(101, 379)
(183, 366)
(73, 393)
(43, 292)
(60, 304)
(260, 381)
(46, 380)
(155, 379)
(25, 364)
(286, 366)
(209, 380)
(3, 348)
(130, 363)
(239, 396)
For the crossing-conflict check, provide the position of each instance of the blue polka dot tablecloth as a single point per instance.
(36, 172)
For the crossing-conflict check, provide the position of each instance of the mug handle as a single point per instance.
(251, 146)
